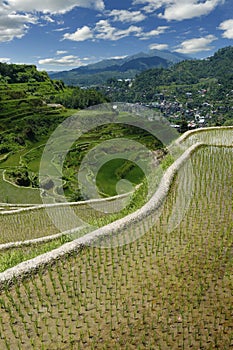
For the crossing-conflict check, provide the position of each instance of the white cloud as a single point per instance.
(102, 30)
(189, 9)
(18, 18)
(16, 15)
(72, 61)
(196, 44)
(14, 25)
(151, 5)
(127, 16)
(60, 29)
(54, 6)
(180, 9)
(158, 47)
(48, 19)
(117, 57)
(155, 32)
(227, 27)
(81, 34)
(105, 31)
(5, 59)
(60, 52)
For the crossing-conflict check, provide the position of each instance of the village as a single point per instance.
(185, 108)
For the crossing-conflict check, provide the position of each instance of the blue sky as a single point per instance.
(64, 34)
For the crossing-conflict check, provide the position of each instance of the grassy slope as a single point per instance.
(22, 106)
(11, 194)
(110, 173)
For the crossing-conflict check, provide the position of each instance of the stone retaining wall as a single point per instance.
(24, 208)
(186, 135)
(32, 266)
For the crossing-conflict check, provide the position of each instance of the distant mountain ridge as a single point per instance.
(122, 68)
(213, 75)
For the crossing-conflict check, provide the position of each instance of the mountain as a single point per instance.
(173, 57)
(122, 68)
(194, 83)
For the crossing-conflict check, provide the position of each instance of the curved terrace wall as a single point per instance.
(204, 133)
(24, 225)
(30, 266)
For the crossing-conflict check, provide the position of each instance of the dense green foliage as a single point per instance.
(29, 104)
(29, 112)
(190, 72)
(21, 73)
(31, 107)
(78, 98)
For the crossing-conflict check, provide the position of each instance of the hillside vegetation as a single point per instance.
(120, 68)
(31, 107)
(187, 89)
(29, 112)
(31, 104)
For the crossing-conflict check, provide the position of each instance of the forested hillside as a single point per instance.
(120, 68)
(21, 73)
(29, 112)
(188, 84)
(32, 105)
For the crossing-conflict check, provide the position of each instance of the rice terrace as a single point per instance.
(115, 230)
(116, 175)
(138, 278)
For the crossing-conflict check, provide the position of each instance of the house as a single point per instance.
(55, 105)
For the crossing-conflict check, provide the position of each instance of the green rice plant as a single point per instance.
(165, 290)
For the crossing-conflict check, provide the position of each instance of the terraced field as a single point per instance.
(169, 289)
(27, 120)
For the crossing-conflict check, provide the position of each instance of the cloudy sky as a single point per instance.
(63, 34)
